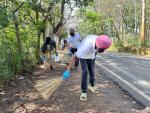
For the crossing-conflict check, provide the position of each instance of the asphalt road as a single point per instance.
(131, 72)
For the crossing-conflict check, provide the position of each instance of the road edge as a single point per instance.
(131, 89)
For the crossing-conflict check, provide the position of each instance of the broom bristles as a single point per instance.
(47, 87)
(55, 88)
(51, 89)
(45, 82)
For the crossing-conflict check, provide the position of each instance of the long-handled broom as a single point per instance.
(48, 86)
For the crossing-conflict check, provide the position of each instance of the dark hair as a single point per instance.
(72, 30)
(48, 39)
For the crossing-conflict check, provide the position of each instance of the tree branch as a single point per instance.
(62, 24)
(19, 7)
(59, 24)
(66, 19)
(31, 18)
(51, 4)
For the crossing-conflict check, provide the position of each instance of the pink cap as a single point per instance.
(103, 41)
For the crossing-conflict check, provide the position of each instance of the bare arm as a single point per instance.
(71, 62)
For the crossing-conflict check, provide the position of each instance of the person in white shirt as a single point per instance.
(73, 42)
(86, 52)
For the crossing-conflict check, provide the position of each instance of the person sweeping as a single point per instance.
(86, 52)
(48, 48)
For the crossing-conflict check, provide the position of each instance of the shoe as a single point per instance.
(93, 89)
(83, 97)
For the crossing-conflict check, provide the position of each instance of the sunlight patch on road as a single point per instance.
(144, 83)
(75, 88)
(30, 106)
(102, 85)
(89, 111)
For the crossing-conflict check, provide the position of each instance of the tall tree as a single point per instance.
(15, 15)
(142, 35)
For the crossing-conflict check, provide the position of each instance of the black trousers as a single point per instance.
(87, 65)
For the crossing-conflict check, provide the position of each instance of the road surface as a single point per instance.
(131, 72)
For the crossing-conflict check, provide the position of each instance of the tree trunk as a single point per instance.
(116, 31)
(38, 38)
(44, 35)
(135, 18)
(18, 37)
(146, 20)
(60, 23)
(38, 45)
(142, 35)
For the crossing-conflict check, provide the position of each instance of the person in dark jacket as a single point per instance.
(48, 48)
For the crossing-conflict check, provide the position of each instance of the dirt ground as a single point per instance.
(21, 92)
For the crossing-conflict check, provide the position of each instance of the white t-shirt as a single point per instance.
(74, 40)
(86, 49)
(62, 41)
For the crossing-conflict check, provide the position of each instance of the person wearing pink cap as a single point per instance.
(86, 52)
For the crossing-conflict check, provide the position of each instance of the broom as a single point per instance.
(47, 87)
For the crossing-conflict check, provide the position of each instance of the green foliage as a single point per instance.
(5, 16)
(63, 34)
(132, 40)
(93, 23)
(147, 42)
(36, 6)
(6, 50)
(82, 3)
(10, 59)
(32, 19)
(90, 23)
